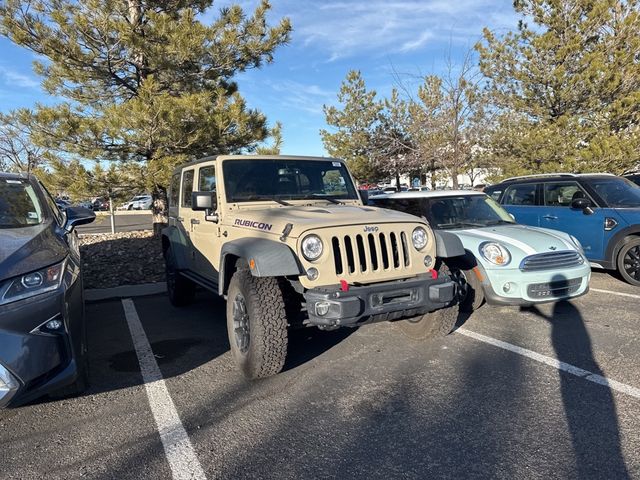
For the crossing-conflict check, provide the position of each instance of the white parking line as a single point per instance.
(555, 363)
(177, 446)
(621, 294)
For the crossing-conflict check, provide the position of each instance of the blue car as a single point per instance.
(601, 210)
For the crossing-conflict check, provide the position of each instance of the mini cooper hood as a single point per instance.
(303, 218)
(521, 240)
(24, 250)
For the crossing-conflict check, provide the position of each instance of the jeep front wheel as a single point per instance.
(470, 293)
(181, 290)
(256, 324)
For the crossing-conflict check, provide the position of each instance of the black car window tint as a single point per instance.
(53, 206)
(187, 188)
(524, 194)
(174, 190)
(207, 179)
(19, 204)
(562, 194)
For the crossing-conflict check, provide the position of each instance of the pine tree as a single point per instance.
(143, 81)
(567, 89)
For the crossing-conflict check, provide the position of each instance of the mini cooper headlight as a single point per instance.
(419, 238)
(495, 253)
(312, 247)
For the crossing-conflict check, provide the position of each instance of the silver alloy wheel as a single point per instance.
(241, 323)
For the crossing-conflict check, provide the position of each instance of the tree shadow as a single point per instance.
(589, 408)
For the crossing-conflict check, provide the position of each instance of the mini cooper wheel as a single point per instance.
(629, 262)
(434, 324)
(256, 324)
(181, 290)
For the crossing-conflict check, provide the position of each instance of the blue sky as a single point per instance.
(330, 37)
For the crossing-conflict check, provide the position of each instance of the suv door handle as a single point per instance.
(195, 221)
(550, 217)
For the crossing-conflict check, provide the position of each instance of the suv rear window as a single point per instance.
(19, 204)
(174, 190)
(187, 188)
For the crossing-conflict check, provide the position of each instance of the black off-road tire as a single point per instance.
(264, 349)
(180, 289)
(470, 293)
(434, 324)
(629, 262)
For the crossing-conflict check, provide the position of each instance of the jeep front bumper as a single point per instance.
(379, 302)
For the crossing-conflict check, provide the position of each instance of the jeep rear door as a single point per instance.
(186, 216)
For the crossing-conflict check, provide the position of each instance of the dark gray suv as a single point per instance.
(42, 331)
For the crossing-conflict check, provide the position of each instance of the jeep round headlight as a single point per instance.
(419, 238)
(495, 253)
(312, 247)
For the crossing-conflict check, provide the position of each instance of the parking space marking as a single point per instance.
(621, 294)
(177, 446)
(555, 363)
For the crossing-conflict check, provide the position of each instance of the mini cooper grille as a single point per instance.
(370, 252)
(557, 289)
(544, 261)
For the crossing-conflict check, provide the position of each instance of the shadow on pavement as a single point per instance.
(590, 412)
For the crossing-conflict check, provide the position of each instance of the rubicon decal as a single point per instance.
(252, 224)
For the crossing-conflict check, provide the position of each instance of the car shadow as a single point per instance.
(595, 433)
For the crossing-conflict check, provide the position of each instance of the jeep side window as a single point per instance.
(522, 194)
(207, 179)
(174, 190)
(187, 188)
(561, 194)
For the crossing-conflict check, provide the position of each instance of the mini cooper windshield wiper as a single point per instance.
(499, 222)
(460, 225)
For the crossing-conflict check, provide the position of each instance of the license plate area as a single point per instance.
(385, 299)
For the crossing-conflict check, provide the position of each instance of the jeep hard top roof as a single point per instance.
(253, 157)
(14, 176)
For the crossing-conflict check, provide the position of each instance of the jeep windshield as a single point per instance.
(617, 192)
(465, 211)
(280, 180)
(19, 204)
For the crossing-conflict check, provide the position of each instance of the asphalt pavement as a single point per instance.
(548, 392)
(124, 222)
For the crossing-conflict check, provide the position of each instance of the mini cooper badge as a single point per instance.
(553, 248)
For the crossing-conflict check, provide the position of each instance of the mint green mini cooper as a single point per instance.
(506, 263)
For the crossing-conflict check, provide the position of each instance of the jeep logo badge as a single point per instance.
(368, 229)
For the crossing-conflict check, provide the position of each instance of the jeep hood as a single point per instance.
(303, 218)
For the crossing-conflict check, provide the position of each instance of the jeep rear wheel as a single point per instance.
(629, 262)
(434, 324)
(256, 324)
(181, 290)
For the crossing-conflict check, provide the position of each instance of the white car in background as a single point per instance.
(139, 202)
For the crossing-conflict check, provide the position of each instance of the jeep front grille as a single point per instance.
(544, 261)
(370, 252)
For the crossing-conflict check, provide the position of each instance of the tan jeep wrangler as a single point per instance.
(288, 242)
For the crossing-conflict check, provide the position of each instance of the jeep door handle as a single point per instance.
(195, 221)
(180, 219)
(549, 217)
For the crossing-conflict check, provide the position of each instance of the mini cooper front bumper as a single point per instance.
(357, 305)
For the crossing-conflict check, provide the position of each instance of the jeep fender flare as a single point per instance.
(173, 238)
(266, 258)
(618, 241)
(448, 245)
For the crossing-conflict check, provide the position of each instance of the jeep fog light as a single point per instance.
(428, 261)
(322, 308)
(312, 273)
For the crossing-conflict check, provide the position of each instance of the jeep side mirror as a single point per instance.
(583, 204)
(205, 202)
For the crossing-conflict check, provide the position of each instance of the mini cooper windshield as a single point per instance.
(281, 180)
(19, 204)
(465, 211)
(617, 192)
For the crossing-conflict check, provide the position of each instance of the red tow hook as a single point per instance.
(344, 286)
(434, 274)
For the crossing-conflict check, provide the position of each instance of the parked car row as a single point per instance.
(139, 202)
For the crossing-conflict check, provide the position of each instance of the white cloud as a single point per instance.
(11, 78)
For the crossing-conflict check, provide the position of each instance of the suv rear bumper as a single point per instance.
(380, 302)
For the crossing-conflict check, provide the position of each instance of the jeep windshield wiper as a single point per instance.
(264, 197)
(322, 197)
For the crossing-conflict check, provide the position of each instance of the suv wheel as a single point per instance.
(629, 262)
(433, 324)
(181, 290)
(256, 324)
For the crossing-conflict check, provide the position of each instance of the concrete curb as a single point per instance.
(124, 291)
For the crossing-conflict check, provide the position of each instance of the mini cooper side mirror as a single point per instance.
(583, 204)
(206, 202)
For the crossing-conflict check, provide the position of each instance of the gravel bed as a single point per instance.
(127, 258)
